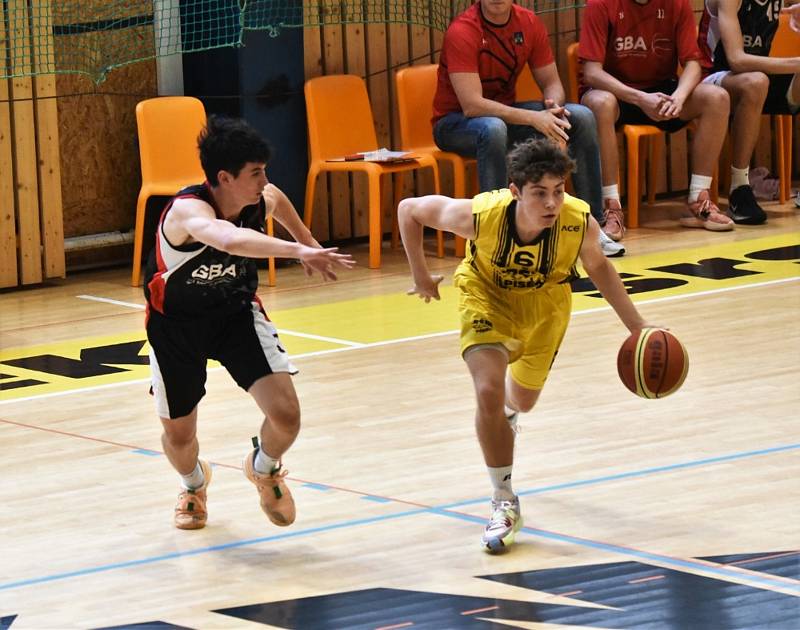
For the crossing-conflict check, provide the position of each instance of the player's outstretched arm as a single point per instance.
(193, 220)
(285, 213)
(607, 280)
(436, 211)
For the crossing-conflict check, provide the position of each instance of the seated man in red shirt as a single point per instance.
(476, 112)
(630, 52)
(735, 39)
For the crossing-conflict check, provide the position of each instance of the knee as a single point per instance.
(491, 398)
(286, 415)
(755, 87)
(581, 119)
(494, 134)
(717, 102)
(178, 436)
(603, 105)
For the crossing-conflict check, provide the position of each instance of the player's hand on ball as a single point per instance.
(427, 288)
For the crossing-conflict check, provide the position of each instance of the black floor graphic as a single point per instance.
(644, 597)
(5, 622)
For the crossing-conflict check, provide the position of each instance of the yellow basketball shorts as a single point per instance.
(530, 325)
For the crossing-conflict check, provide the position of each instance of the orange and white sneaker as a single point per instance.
(190, 511)
(703, 213)
(614, 220)
(276, 500)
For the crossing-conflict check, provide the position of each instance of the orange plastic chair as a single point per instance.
(633, 135)
(785, 44)
(416, 87)
(168, 127)
(340, 123)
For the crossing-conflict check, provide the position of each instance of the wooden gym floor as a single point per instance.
(673, 513)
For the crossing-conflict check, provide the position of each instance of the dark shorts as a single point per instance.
(245, 343)
(776, 102)
(633, 115)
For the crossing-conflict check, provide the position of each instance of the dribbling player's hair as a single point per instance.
(227, 144)
(534, 158)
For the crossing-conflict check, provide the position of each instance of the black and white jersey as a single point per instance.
(196, 280)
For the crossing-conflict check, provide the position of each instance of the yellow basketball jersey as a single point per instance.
(496, 257)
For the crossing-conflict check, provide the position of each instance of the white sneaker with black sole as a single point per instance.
(611, 249)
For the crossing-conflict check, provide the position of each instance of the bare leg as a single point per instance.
(277, 399)
(709, 105)
(179, 440)
(605, 108)
(748, 92)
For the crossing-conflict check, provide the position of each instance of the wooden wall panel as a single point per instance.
(29, 238)
(8, 230)
(49, 165)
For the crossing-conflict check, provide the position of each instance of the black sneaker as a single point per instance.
(743, 207)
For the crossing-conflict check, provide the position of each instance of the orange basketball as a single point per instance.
(652, 363)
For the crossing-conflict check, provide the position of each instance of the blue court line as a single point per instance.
(316, 486)
(440, 510)
(372, 497)
(635, 473)
(144, 451)
(645, 555)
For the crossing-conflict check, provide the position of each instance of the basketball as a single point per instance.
(652, 363)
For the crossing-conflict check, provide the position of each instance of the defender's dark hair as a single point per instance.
(227, 144)
(534, 158)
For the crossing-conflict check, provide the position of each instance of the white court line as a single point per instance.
(94, 298)
(377, 344)
(283, 331)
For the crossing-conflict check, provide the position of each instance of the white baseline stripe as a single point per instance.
(396, 341)
(282, 331)
(110, 301)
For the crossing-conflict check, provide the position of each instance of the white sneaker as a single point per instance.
(610, 248)
(505, 523)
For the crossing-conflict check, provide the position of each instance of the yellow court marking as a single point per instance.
(101, 361)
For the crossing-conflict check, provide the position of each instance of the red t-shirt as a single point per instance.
(639, 44)
(496, 53)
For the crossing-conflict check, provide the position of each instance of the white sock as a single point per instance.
(611, 192)
(501, 482)
(698, 184)
(265, 464)
(739, 177)
(195, 479)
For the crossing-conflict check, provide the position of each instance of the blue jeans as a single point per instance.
(488, 139)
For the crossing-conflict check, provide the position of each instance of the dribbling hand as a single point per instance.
(427, 289)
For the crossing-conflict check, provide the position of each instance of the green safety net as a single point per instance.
(93, 37)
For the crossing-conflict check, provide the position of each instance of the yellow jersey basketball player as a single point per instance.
(515, 296)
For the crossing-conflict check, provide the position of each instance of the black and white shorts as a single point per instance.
(779, 95)
(245, 343)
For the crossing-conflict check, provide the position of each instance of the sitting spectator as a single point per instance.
(630, 53)
(475, 111)
(735, 39)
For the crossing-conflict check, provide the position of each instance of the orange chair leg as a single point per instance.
(374, 185)
(459, 192)
(138, 238)
(311, 187)
(781, 161)
(271, 259)
(397, 184)
(652, 168)
(787, 153)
